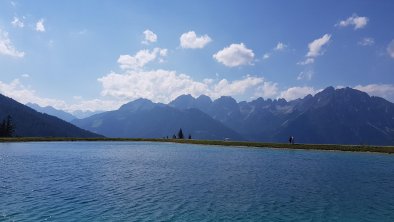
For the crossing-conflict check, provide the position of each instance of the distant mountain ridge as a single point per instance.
(52, 111)
(30, 123)
(66, 116)
(332, 116)
(145, 119)
(339, 116)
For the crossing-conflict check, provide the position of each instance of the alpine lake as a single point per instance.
(156, 181)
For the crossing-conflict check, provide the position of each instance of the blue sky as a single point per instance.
(97, 55)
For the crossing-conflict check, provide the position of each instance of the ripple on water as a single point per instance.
(122, 181)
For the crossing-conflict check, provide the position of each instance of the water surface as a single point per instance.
(144, 181)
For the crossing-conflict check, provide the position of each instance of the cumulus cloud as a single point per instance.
(267, 90)
(297, 92)
(150, 37)
(382, 90)
(18, 23)
(164, 86)
(280, 46)
(366, 41)
(23, 94)
(7, 48)
(192, 41)
(141, 58)
(266, 55)
(40, 27)
(235, 55)
(357, 21)
(315, 49)
(390, 49)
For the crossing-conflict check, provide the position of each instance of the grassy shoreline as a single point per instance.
(334, 147)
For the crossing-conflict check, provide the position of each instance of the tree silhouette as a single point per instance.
(7, 127)
(190, 136)
(180, 134)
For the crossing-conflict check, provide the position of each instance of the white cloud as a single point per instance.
(390, 49)
(356, 21)
(17, 23)
(23, 94)
(315, 49)
(7, 48)
(141, 58)
(192, 41)
(267, 90)
(307, 61)
(40, 27)
(164, 86)
(305, 75)
(150, 37)
(266, 56)
(234, 88)
(19, 92)
(382, 90)
(280, 46)
(366, 41)
(25, 75)
(297, 92)
(235, 55)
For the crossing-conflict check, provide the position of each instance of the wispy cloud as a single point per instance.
(366, 41)
(357, 21)
(17, 22)
(190, 40)
(305, 75)
(7, 48)
(235, 55)
(280, 46)
(390, 49)
(315, 49)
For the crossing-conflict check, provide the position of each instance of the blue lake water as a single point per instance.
(140, 181)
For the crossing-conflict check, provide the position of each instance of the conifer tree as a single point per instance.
(180, 134)
(9, 127)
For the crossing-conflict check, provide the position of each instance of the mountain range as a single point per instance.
(66, 116)
(30, 123)
(332, 116)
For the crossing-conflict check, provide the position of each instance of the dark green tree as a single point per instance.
(180, 134)
(190, 136)
(7, 127)
(2, 129)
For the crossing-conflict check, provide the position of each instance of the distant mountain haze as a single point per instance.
(332, 116)
(66, 116)
(145, 119)
(30, 123)
(52, 111)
